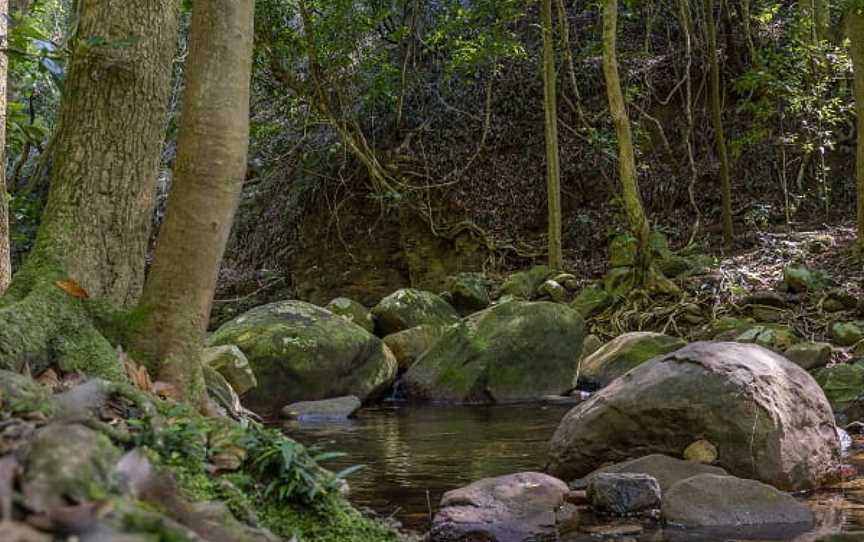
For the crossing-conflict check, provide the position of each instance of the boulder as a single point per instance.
(300, 352)
(353, 312)
(727, 328)
(775, 337)
(622, 354)
(847, 333)
(409, 344)
(800, 279)
(768, 417)
(552, 290)
(591, 300)
(839, 300)
(514, 508)
(623, 494)
(336, 409)
(591, 344)
(767, 298)
(665, 469)
(567, 280)
(512, 352)
(409, 308)
(809, 356)
(842, 383)
(524, 284)
(67, 463)
(708, 500)
(231, 363)
(468, 292)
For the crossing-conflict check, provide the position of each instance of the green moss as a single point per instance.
(337, 522)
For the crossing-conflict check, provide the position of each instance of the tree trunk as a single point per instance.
(111, 126)
(855, 22)
(626, 158)
(95, 227)
(717, 121)
(816, 17)
(553, 166)
(5, 252)
(211, 165)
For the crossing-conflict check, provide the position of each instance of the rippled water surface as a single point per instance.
(414, 455)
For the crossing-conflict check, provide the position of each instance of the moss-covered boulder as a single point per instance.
(847, 333)
(591, 300)
(409, 308)
(552, 290)
(524, 284)
(778, 338)
(67, 463)
(20, 394)
(843, 384)
(622, 354)
(301, 352)
(353, 312)
(809, 356)
(801, 279)
(233, 365)
(468, 292)
(409, 344)
(512, 352)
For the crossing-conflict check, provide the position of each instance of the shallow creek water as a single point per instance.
(413, 455)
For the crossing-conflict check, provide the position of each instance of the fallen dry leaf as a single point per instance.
(165, 390)
(50, 379)
(72, 288)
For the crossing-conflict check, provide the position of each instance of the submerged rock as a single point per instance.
(665, 469)
(336, 409)
(768, 417)
(409, 308)
(709, 500)
(353, 312)
(514, 508)
(300, 352)
(624, 353)
(512, 352)
(623, 494)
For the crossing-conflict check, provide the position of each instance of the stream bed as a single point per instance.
(412, 455)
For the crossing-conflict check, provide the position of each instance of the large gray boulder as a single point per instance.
(624, 353)
(709, 500)
(516, 351)
(514, 508)
(409, 308)
(300, 352)
(767, 417)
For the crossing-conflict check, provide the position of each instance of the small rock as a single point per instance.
(665, 469)
(409, 308)
(338, 409)
(799, 279)
(567, 280)
(847, 333)
(809, 356)
(552, 290)
(613, 530)
(701, 451)
(233, 365)
(768, 298)
(708, 500)
(623, 493)
(524, 284)
(855, 428)
(353, 312)
(842, 383)
(774, 337)
(839, 300)
(763, 313)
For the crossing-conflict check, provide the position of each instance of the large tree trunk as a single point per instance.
(211, 164)
(95, 226)
(855, 22)
(717, 121)
(553, 167)
(5, 252)
(626, 158)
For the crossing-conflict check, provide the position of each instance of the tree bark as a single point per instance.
(626, 158)
(95, 227)
(816, 17)
(5, 252)
(553, 166)
(855, 28)
(211, 165)
(112, 121)
(717, 121)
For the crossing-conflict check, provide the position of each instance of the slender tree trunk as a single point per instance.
(717, 121)
(816, 17)
(626, 157)
(5, 252)
(748, 29)
(96, 224)
(553, 166)
(211, 164)
(855, 22)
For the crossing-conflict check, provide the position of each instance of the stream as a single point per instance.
(412, 455)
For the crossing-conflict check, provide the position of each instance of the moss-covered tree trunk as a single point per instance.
(95, 226)
(5, 252)
(553, 166)
(717, 122)
(626, 158)
(855, 28)
(211, 165)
